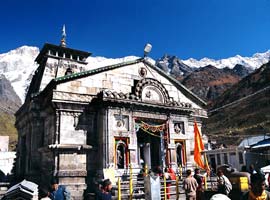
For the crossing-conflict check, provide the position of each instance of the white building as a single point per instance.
(6, 157)
(232, 156)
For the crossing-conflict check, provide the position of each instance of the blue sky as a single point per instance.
(117, 28)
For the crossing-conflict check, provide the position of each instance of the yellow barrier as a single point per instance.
(165, 191)
(180, 171)
(205, 182)
(146, 169)
(119, 189)
(177, 188)
(130, 183)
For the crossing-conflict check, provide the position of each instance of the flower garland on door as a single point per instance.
(155, 129)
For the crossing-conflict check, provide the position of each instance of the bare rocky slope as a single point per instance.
(208, 82)
(243, 110)
(9, 104)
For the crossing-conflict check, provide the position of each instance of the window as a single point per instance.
(61, 54)
(241, 159)
(179, 128)
(225, 158)
(218, 159)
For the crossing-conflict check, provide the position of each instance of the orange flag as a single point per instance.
(198, 146)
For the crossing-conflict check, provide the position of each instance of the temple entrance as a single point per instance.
(149, 150)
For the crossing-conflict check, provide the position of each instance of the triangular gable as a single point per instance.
(100, 70)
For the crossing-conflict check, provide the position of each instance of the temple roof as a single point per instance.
(60, 49)
(181, 87)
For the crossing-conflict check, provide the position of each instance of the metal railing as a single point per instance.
(131, 186)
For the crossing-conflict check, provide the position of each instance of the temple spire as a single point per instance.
(63, 39)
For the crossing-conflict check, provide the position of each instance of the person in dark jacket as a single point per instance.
(199, 179)
(257, 188)
(105, 192)
(59, 192)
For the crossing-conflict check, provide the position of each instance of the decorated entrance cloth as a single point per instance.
(153, 130)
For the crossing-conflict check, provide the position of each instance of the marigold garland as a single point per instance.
(153, 128)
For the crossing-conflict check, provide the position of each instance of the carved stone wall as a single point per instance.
(70, 132)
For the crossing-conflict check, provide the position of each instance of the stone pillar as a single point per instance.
(72, 173)
(36, 138)
(133, 146)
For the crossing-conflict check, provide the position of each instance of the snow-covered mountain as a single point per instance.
(18, 65)
(254, 62)
(97, 62)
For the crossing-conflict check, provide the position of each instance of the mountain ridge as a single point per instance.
(253, 62)
(208, 82)
(18, 65)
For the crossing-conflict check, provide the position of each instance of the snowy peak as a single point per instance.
(23, 52)
(97, 62)
(17, 65)
(209, 78)
(173, 65)
(252, 63)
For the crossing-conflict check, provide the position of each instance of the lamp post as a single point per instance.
(147, 49)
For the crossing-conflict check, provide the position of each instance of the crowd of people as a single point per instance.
(193, 186)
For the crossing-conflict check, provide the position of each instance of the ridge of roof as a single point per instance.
(95, 71)
(48, 46)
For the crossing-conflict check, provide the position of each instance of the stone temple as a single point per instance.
(76, 123)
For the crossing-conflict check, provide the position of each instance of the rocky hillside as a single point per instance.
(8, 97)
(174, 66)
(209, 81)
(9, 104)
(243, 110)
